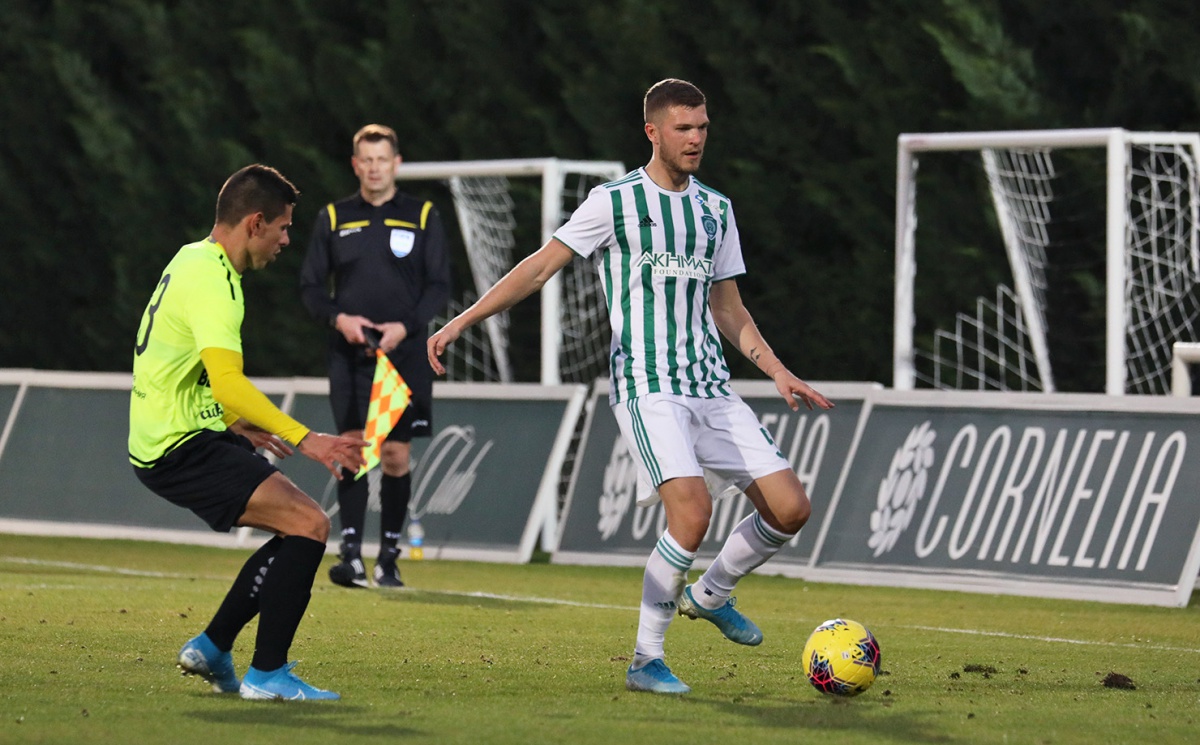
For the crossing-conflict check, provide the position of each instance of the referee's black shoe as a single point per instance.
(387, 574)
(350, 571)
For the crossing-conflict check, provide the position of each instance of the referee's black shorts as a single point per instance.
(351, 373)
(213, 474)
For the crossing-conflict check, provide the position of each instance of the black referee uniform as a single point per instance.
(387, 263)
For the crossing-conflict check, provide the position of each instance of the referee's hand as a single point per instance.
(335, 452)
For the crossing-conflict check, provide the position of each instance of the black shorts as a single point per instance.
(351, 372)
(213, 474)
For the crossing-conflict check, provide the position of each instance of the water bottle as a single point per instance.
(416, 539)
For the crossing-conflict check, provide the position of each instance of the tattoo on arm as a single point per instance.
(754, 355)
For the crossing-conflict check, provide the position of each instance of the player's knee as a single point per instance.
(782, 501)
(315, 524)
(794, 516)
(690, 524)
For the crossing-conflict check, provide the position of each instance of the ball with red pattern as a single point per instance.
(841, 658)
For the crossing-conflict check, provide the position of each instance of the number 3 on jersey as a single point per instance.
(150, 311)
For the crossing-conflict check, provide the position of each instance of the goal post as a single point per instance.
(485, 211)
(1150, 227)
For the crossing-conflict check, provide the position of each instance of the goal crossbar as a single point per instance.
(503, 167)
(1115, 141)
(553, 173)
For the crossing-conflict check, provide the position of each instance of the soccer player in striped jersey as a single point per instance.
(668, 253)
(195, 420)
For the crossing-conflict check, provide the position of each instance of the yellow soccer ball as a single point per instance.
(841, 658)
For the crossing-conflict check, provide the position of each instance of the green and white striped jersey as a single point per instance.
(658, 253)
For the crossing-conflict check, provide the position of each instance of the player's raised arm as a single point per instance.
(524, 279)
(233, 390)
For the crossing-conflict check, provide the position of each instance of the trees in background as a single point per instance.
(121, 119)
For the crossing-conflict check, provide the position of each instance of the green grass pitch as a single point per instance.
(483, 653)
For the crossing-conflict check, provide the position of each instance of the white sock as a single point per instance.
(666, 573)
(748, 547)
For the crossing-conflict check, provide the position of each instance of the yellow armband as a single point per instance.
(234, 391)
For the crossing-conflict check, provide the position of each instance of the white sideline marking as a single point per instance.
(1052, 639)
(603, 606)
(972, 632)
(525, 599)
(102, 569)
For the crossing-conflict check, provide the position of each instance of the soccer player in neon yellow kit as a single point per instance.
(668, 253)
(195, 420)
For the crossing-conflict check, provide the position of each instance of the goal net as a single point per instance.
(574, 335)
(1057, 252)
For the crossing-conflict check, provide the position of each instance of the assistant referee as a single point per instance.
(377, 260)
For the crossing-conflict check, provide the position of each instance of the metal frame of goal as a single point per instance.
(484, 207)
(1152, 257)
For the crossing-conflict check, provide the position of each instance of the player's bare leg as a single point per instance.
(781, 509)
(281, 507)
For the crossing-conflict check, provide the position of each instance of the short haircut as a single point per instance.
(255, 188)
(377, 133)
(670, 92)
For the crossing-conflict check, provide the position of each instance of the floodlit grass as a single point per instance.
(484, 653)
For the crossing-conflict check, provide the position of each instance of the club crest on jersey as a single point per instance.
(710, 226)
(675, 265)
(402, 242)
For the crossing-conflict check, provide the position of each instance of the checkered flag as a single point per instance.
(389, 398)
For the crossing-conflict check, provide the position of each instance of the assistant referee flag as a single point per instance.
(389, 398)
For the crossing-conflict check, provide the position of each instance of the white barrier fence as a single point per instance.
(1063, 495)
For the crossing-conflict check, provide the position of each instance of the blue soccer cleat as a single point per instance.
(201, 657)
(654, 677)
(735, 626)
(282, 685)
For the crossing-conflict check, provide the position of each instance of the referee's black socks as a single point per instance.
(352, 506)
(394, 495)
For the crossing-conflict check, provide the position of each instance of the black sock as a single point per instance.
(284, 597)
(394, 493)
(241, 602)
(352, 506)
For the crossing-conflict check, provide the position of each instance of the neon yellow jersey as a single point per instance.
(198, 304)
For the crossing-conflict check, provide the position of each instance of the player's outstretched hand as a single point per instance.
(262, 439)
(437, 345)
(792, 388)
(334, 452)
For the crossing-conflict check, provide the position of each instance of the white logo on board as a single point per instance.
(902, 488)
(617, 493)
(447, 471)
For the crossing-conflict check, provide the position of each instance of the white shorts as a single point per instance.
(719, 439)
